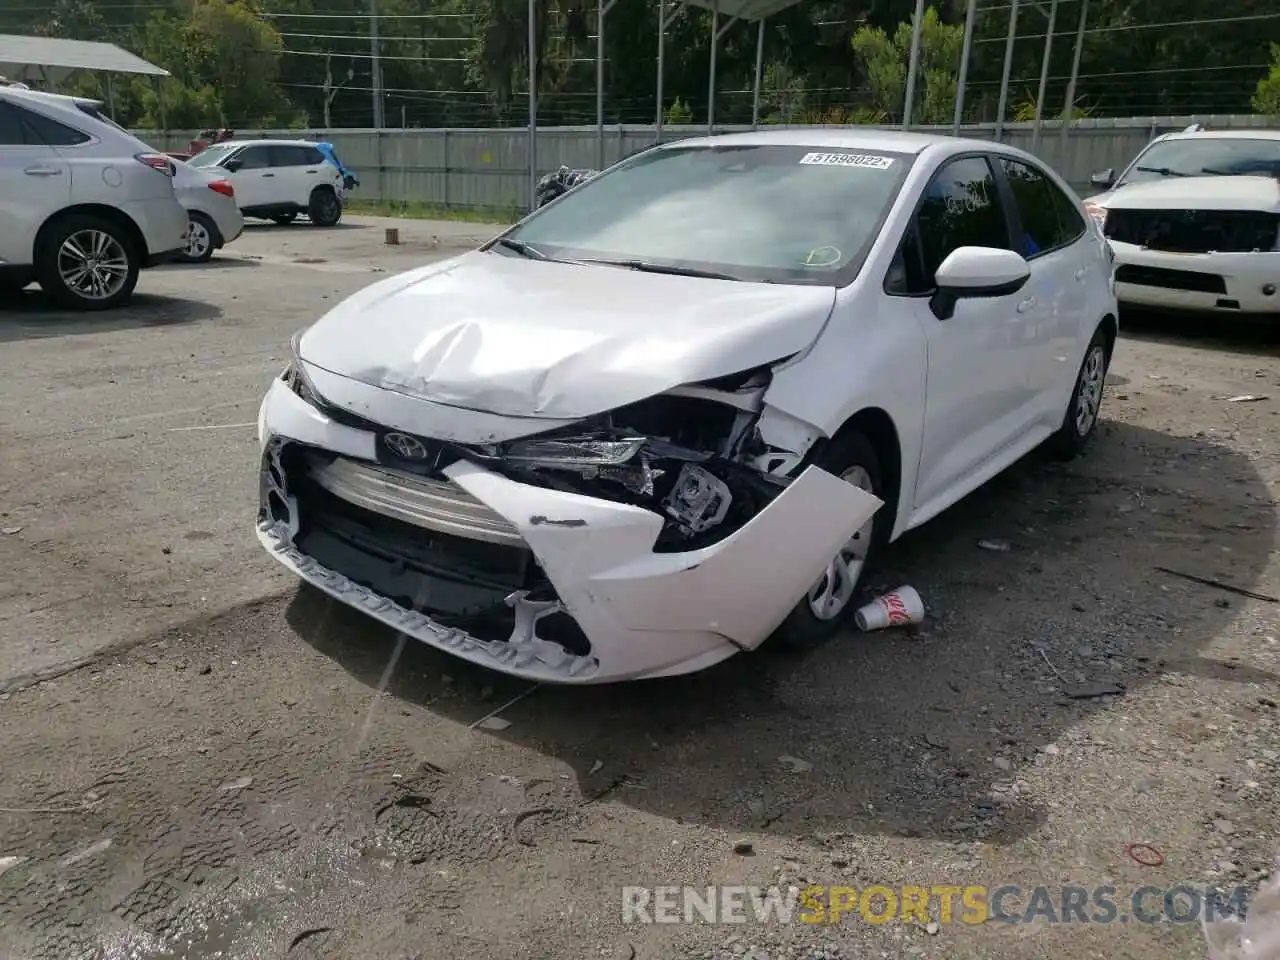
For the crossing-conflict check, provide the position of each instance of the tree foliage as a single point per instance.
(256, 63)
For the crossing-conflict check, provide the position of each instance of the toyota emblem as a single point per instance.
(403, 445)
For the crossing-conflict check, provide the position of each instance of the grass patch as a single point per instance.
(415, 210)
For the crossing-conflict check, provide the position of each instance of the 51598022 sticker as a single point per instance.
(869, 160)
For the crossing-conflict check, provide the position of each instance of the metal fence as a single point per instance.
(488, 168)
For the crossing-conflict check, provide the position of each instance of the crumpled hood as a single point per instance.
(1196, 193)
(527, 338)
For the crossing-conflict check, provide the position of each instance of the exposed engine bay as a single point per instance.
(692, 454)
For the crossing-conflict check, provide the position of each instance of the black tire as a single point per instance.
(1077, 428)
(325, 209)
(284, 219)
(803, 629)
(121, 253)
(201, 226)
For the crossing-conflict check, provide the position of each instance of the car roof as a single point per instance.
(265, 141)
(54, 99)
(1248, 133)
(865, 138)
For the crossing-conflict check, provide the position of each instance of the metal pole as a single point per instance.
(913, 67)
(1044, 77)
(600, 11)
(711, 82)
(1008, 65)
(533, 102)
(964, 67)
(662, 45)
(376, 65)
(1069, 107)
(111, 97)
(755, 100)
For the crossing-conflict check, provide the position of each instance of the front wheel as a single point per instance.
(88, 263)
(830, 601)
(1081, 416)
(325, 209)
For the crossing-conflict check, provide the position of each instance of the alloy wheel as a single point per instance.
(93, 264)
(830, 596)
(198, 240)
(1089, 395)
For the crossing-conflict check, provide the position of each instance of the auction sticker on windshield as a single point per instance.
(847, 160)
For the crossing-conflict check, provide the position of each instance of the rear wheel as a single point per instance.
(202, 239)
(325, 209)
(88, 263)
(1081, 417)
(830, 601)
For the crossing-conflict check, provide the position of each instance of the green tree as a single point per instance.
(1266, 99)
(237, 53)
(886, 59)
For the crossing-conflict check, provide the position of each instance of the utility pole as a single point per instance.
(375, 54)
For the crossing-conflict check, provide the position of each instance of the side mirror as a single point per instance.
(976, 272)
(231, 166)
(1104, 178)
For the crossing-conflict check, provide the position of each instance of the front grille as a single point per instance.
(1170, 279)
(1195, 231)
(433, 504)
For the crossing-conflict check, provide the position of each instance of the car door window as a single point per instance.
(313, 156)
(960, 208)
(12, 133)
(289, 156)
(254, 158)
(50, 133)
(1048, 216)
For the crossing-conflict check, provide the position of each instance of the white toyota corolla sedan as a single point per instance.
(677, 411)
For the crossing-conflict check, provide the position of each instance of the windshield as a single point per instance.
(1206, 157)
(790, 214)
(210, 156)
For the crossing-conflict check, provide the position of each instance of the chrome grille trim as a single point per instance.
(439, 505)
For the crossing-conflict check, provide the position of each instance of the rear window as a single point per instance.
(92, 110)
(39, 130)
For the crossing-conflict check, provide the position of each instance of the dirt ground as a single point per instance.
(198, 760)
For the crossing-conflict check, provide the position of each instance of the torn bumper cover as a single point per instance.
(536, 582)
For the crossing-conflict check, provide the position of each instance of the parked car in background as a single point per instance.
(680, 409)
(278, 179)
(84, 205)
(1195, 222)
(210, 202)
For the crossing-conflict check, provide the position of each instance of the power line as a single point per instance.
(366, 16)
(1149, 26)
(385, 38)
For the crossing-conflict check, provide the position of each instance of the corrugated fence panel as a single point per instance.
(468, 168)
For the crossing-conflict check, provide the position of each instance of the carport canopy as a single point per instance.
(54, 60)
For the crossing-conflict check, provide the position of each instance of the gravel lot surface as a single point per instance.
(200, 760)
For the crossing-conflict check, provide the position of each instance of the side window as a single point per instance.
(961, 208)
(11, 132)
(289, 156)
(1048, 216)
(51, 133)
(254, 158)
(906, 273)
(314, 156)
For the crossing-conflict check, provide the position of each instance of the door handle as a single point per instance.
(265, 175)
(43, 171)
(1026, 304)
(313, 171)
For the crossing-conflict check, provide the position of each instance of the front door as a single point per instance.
(978, 398)
(34, 183)
(254, 179)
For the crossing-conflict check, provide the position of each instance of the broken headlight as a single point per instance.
(295, 376)
(573, 452)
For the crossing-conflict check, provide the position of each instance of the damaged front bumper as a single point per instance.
(570, 586)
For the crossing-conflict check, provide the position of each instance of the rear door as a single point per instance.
(300, 169)
(1054, 239)
(34, 183)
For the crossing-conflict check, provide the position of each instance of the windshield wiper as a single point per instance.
(648, 267)
(1163, 171)
(522, 248)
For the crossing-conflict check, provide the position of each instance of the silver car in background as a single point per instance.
(210, 202)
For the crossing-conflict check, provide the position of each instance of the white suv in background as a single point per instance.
(83, 204)
(278, 179)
